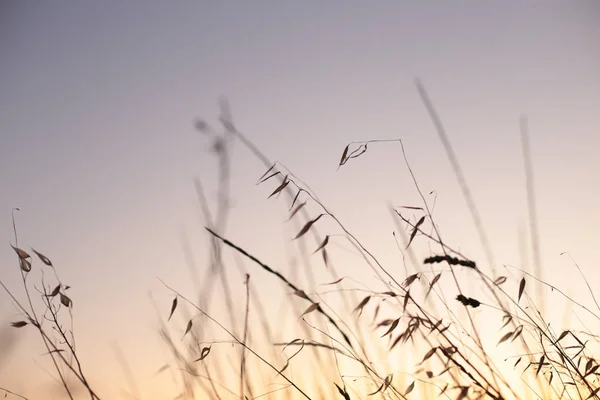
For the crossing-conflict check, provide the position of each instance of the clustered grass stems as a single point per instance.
(62, 350)
(466, 375)
(421, 321)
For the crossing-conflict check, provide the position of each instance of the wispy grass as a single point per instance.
(423, 333)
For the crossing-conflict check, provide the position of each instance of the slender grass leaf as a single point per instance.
(500, 280)
(429, 354)
(518, 361)
(409, 280)
(323, 244)
(521, 288)
(409, 388)
(301, 293)
(44, 259)
(65, 300)
(589, 364)
(20, 252)
(415, 230)
(433, 282)
(505, 337)
(203, 354)
(173, 307)
(562, 336)
(279, 188)
(343, 392)
(298, 208)
(540, 363)
(334, 282)
(517, 332)
(361, 305)
(393, 326)
(187, 328)
(270, 176)
(266, 173)
(290, 343)
(295, 198)
(591, 371)
(55, 291)
(307, 226)
(310, 309)
(325, 257)
(25, 264)
(344, 156)
(412, 208)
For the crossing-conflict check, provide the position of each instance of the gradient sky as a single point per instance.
(98, 149)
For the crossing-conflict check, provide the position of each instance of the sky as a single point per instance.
(98, 148)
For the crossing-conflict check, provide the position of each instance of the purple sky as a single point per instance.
(98, 149)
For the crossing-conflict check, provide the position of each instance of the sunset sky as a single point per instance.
(98, 148)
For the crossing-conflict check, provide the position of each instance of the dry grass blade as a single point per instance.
(295, 211)
(517, 332)
(428, 355)
(260, 180)
(386, 383)
(360, 151)
(295, 198)
(409, 388)
(405, 302)
(344, 156)
(203, 354)
(307, 227)
(562, 336)
(291, 343)
(540, 364)
(287, 362)
(415, 230)
(433, 282)
(25, 264)
(65, 300)
(412, 208)
(284, 280)
(269, 177)
(591, 371)
(409, 280)
(187, 328)
(21, 253)
(505, 337)
(334, 282)
(362, 305)
(279, 188)
(521, 288)
(55, 291)
(323, 244)
(325, 257)
(42, 257)
(393, 326)
(343, 392)
(500, 280)
(301, 294)
(173, 307)
(310, 309)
